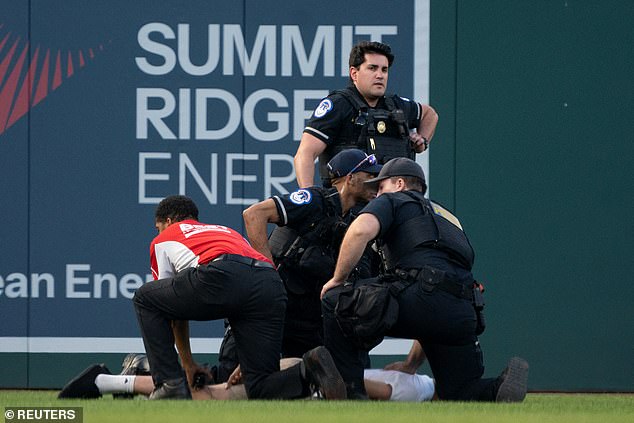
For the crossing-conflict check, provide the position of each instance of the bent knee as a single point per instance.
(330, 299)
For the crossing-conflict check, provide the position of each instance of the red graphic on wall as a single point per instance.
(29, 74)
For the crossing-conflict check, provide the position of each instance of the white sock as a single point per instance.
(114, 384)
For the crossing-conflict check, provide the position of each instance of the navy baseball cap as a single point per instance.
(351, 161)
(400, 166)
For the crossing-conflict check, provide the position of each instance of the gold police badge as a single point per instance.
(380, 126)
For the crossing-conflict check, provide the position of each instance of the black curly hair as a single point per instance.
(176, 208)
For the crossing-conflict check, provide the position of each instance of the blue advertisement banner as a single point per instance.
(107, 107)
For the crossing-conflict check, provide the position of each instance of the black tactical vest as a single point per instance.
(434, 228)
(382, 132)
(312, 253)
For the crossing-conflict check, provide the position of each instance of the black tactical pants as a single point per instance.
(253, 299)
(303, 327)
(444, 325)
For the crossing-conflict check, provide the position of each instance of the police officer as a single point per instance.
(207, 272)
(363, 116)
(311, 223)
(426, 253)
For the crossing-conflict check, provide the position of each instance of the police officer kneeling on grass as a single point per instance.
(304, 246)
(428, 261)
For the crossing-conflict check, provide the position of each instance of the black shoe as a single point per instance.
(172, 389)
(133, 364)
(513, 381)
(83, 385)
(322, 372)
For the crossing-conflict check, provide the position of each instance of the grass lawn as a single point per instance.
(542, 408)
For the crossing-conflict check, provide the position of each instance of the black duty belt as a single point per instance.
(244, 260)
(433, 278)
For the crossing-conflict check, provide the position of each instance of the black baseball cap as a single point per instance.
(352, 161)
(400, 166)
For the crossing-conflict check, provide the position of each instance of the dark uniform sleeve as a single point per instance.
(382, 208)
(299, 209)
(329, 118)
(413, 111)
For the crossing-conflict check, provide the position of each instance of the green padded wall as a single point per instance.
(534, 152)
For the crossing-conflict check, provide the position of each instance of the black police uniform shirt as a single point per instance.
(304, 208)
(334, 117)
(301, 209)
(392, 210)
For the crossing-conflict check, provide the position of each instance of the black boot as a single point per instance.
(512, 383)
(321, 372)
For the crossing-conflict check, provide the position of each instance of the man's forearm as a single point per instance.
(256, 217)
(181, 339)
(255, 226)
(363, 230)
(428, 122)
(350, 254)
(416, 355)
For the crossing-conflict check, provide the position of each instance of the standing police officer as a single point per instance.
(363, 116)
(427, 253)
(311, 224)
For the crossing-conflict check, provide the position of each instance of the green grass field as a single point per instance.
(542, 408)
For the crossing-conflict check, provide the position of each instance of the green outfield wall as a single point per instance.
(534, 152)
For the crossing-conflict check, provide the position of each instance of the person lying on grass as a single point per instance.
(97, 380)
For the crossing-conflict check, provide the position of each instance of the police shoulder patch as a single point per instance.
(324, 107)
(301, 196)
